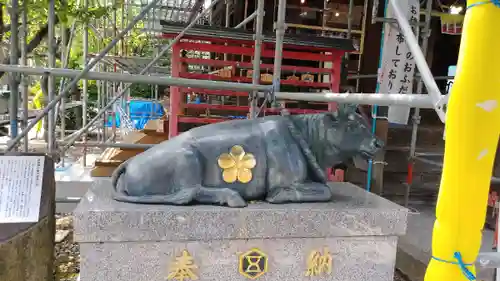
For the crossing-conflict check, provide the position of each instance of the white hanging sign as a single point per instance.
(21, 179)
(398, 64)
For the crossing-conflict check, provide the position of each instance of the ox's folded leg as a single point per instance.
(181, 197)
(221, 196)
(300, 192)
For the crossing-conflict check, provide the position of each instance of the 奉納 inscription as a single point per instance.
(183, 268)
(319, 263)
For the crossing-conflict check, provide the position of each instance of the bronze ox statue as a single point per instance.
(278, 159)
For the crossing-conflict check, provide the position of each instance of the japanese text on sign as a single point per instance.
(21, 179)
(398, 64)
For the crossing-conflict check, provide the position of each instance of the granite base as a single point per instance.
(121, 241)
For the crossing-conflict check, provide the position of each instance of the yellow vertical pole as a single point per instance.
(472, 131)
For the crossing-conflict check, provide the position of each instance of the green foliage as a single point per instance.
(99, 14)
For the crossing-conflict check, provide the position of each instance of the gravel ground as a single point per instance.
(68, 253)
(398, 276)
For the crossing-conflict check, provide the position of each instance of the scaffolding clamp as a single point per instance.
(439, 107)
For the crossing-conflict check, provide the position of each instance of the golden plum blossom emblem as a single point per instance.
(237, 165)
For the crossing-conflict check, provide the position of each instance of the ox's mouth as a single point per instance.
(367, 155)
(369, 149)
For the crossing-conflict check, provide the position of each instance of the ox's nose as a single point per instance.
(377, 143)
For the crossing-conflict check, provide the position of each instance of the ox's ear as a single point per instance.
(346, 109)
(334, 115)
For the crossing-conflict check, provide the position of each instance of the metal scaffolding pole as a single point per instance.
(247, 20)
(256, 57)
(374, 76)
(349, 20)
(99, 88)
(14, 82)
(136, 78)
(110, 144)
(62, 105)
(24, 61)
(375, 11)
(382, 99)
(278, 51)
(416, 115)
(77, 134)
(228, 22)
(81, 74)
(85, 82)
(114, 84)
(51, 53)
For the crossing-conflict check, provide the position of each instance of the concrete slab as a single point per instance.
(72, 182)
(414, 248)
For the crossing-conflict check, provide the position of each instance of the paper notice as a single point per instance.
(20, 188)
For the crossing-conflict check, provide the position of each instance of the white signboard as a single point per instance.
(20, 188)
(398, 64)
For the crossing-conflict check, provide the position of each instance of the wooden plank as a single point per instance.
(379, 159)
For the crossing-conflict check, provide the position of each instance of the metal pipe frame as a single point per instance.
(247, 20)
(375, 11)
(62, 105)
(14, 82)
(382, 99)
(256, 57)
(135, 78)
(84, 95)
(72, 138)
(81, 74)
(24, 62)
(394, 21)
(422, 101)
(375, 76)
(417, 100)
(138, 146)
(227, 19)
(51, 53)
(278, 49)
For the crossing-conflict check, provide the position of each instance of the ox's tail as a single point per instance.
(181, 197)
(117, 173)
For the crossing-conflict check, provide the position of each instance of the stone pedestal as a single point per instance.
(352, 238)
(27, 249)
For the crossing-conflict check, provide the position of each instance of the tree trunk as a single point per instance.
(40, 35)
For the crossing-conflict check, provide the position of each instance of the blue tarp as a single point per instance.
(141, 111)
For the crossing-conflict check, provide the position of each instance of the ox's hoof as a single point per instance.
(280, 195)
(236, 202)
